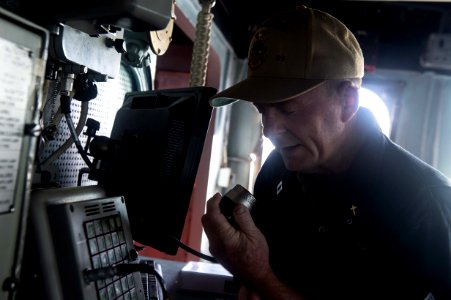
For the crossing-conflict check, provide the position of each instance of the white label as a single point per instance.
(16, 67)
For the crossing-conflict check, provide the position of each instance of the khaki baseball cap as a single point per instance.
(292, 53)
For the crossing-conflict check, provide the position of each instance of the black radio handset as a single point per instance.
(237, 195)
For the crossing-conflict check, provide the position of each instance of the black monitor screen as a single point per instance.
(158, 139)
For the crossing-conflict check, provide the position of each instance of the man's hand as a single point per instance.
(242, 250)
(247, 294)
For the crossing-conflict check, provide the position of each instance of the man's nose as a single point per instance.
(272, 122)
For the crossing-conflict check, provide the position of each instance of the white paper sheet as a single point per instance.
(16, 68)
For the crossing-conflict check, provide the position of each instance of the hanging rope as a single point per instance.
(201, 46)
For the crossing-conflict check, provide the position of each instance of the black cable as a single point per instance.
(124, 269)
(77, 143)
(195, 252)
(81, 173)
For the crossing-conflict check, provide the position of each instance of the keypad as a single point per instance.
(107, 246)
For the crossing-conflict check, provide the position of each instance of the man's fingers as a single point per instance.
(243, 218)
(214, 221)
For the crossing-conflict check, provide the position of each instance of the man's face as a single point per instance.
(306, 130)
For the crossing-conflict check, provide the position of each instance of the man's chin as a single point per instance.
(297, 163)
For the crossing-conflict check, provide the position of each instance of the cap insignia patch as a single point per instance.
(258, 51)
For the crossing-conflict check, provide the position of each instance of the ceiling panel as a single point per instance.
(392, 34)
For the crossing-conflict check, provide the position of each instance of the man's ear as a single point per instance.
(350, 102)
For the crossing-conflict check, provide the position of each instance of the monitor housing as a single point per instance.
(156, 145)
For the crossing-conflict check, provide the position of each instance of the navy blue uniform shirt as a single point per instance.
(380, 230)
